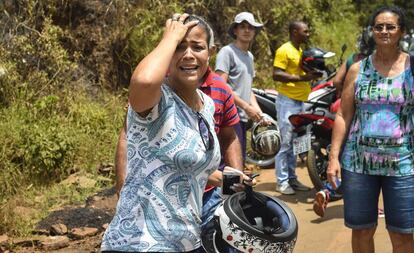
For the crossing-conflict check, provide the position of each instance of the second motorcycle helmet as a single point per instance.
(265, 140)
(253, 222)
(313, 59)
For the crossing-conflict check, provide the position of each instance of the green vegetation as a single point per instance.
(64, 67)
(54, 120)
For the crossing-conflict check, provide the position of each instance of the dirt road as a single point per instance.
(321, 235)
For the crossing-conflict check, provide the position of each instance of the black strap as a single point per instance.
(366, 62)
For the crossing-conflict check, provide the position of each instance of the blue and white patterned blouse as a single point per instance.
(160, 204)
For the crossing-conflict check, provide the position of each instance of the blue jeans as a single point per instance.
(211, 201)
(361, 193)
(285, 160)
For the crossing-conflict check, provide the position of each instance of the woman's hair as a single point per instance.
(402, 20)
(366, 43)
(205, 26)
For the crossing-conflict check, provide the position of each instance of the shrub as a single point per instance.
(42, 145)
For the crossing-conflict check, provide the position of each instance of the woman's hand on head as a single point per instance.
(175, 29)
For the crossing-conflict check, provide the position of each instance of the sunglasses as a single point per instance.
(205, 133)
(388, 27)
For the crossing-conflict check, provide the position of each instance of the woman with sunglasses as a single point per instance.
(366, 47)
(376, 132)
(172, 146)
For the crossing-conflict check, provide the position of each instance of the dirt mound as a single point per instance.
(96, 213)
(99, 210)
(76, 217)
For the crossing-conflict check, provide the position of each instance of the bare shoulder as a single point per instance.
(353, 71)
(406, 59)
(355, 66)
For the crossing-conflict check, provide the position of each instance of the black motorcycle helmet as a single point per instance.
(365, 42)
(253, 222)
(313, 59)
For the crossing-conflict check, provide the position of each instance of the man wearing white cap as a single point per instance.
(235, 63)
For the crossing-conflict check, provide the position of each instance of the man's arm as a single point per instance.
(232, 150)
(253, 112)
(339, 79)
(282, 76)
(231, 147)
(254, 103)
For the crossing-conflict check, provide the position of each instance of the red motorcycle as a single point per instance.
(313, 129)
(313, 126)
(321, 98)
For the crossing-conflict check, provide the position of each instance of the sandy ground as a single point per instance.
(327, 234)
(319, 235)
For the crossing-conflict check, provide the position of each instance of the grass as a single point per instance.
(41, 149)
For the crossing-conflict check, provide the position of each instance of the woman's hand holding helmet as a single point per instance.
(246, 179)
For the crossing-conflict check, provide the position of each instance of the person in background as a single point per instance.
(226, 118)
(293, 87)
(235, 64)
(172, 146)
(365, 48)
(375, 132)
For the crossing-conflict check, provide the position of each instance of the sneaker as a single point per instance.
(285, 189)
(298, 186)
(320, 202)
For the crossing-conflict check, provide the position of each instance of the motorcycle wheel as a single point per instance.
(317, 163)
(261, 161)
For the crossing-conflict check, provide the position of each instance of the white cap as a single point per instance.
(244, 16)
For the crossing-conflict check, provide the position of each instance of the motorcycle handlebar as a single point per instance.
(259, 91)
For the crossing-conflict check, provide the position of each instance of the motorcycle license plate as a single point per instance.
(301, 144)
